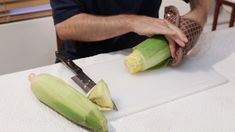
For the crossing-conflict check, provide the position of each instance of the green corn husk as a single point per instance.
(148, 54)
(67, 101)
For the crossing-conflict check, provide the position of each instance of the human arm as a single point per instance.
(87, 27)
(198, 13)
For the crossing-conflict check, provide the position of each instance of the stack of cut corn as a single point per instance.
(101, 96)
(149, 53)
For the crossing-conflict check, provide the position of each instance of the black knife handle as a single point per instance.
(68, 62)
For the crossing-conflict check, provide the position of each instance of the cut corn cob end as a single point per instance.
(134, 62)
(101, 97)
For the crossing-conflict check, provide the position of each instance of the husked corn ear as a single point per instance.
(149, 53)
(134, 62)
(67, 101)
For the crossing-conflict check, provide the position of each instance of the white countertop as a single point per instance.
(212, 110)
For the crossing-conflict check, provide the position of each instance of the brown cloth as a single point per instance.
(190, 28)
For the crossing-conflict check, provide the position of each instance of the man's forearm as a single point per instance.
(199, 10)
(85, 27)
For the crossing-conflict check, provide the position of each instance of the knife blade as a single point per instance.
(80, 78)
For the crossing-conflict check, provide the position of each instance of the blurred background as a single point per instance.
(28, 38)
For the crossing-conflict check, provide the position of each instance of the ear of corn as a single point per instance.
(148, 54)
(101, 96)
(67, 101)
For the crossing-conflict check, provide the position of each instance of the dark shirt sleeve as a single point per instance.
(187, 1)
(64, 9)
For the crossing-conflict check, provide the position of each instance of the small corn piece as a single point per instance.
(67, 101)
(101, 97)
(148, 54)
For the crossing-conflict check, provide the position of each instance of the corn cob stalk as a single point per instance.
(61, 97)
(148, 54)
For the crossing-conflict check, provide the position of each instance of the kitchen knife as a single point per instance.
(80, 77)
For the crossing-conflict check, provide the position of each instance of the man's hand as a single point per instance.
(173, 41)
(148, 26)
(199, 12)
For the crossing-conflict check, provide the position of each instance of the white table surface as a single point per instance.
(208, 111)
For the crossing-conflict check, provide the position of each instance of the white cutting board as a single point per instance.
(133, 93)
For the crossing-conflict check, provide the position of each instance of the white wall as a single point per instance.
(25, 45)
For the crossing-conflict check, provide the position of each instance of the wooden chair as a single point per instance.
(218, 4)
